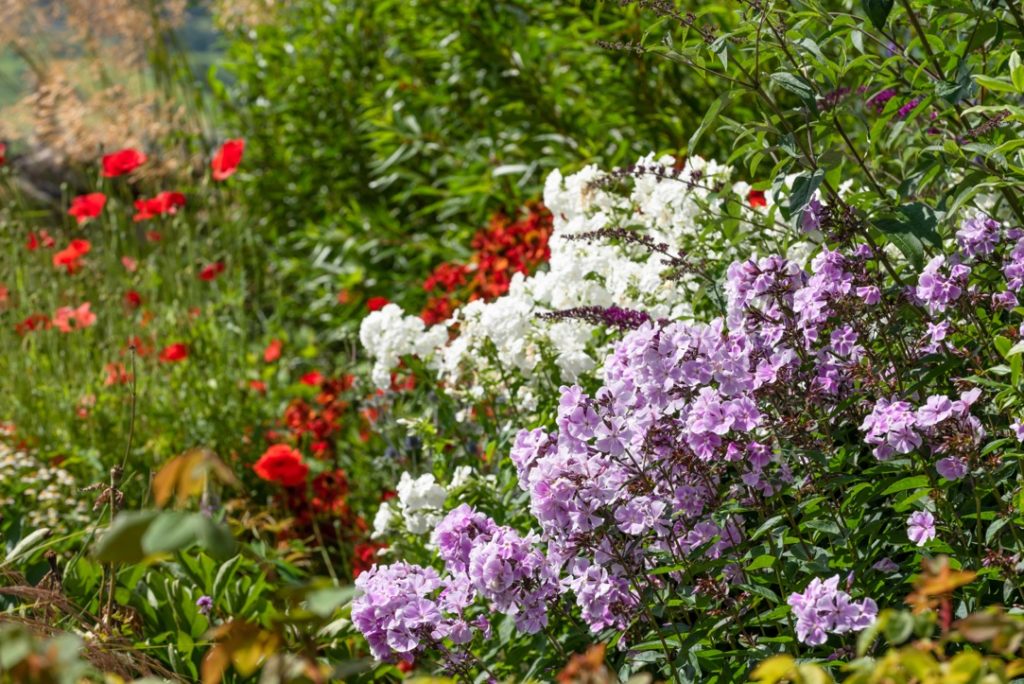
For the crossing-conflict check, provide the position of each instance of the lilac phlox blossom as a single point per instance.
(942, 418)
(844, 343)
(510, 572)
(823, 608)
(1018, 430)
(1013, 267)
(399, 614)
(952, 468)
(886, 565)
(921, 527)
(458, 533)
(605, 600)
(978, 235)
(939, 286)
(935, 334)
(937, 409)
(813, 214)
(891, 429)
(870, 294)
(1005, 300)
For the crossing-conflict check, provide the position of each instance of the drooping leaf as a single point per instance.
(877, 11)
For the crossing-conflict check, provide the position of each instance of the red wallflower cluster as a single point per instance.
(504, 248)
(314, 425)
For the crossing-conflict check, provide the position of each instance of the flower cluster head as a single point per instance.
(420, 501)
(978, 235)
(514, 576)
(403, 611)
(458, 534)
(823, 609)
(891, 428)
(940, 285)
(389, 335)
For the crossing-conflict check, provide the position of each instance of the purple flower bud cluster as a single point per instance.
(878, 101)
(823, 608)
(904, 111)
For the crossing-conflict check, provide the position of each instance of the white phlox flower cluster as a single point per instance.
(506, 336)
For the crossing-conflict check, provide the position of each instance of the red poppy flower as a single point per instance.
(164, 203)
(154, 236)
(71, 256)
(4, 294)
(138, 344)
(82, 317)
(85, 207)
(258, 386)
(116, 374)
(32, 242)
(282, 464)
(132, 299)
(757, 199)
(129, 264)
(377, 303)
(173, 353)
(227, 159)
(121, 162)
(33, 322)
(3, 153)
(211, 271)
(273, 351)
(312, 378)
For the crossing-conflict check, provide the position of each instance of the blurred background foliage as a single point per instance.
(383, 134)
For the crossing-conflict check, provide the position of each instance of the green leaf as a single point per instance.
(798, 85)
(913, 482)
(1016, 72)
(26, 546)
(804, 187)
(122, 541)
(761, 562)
(710, 117)
(911, 231)
(877, 11)
(136, 534)
(997, 84)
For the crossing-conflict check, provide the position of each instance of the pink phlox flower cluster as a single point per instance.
(823, 608)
